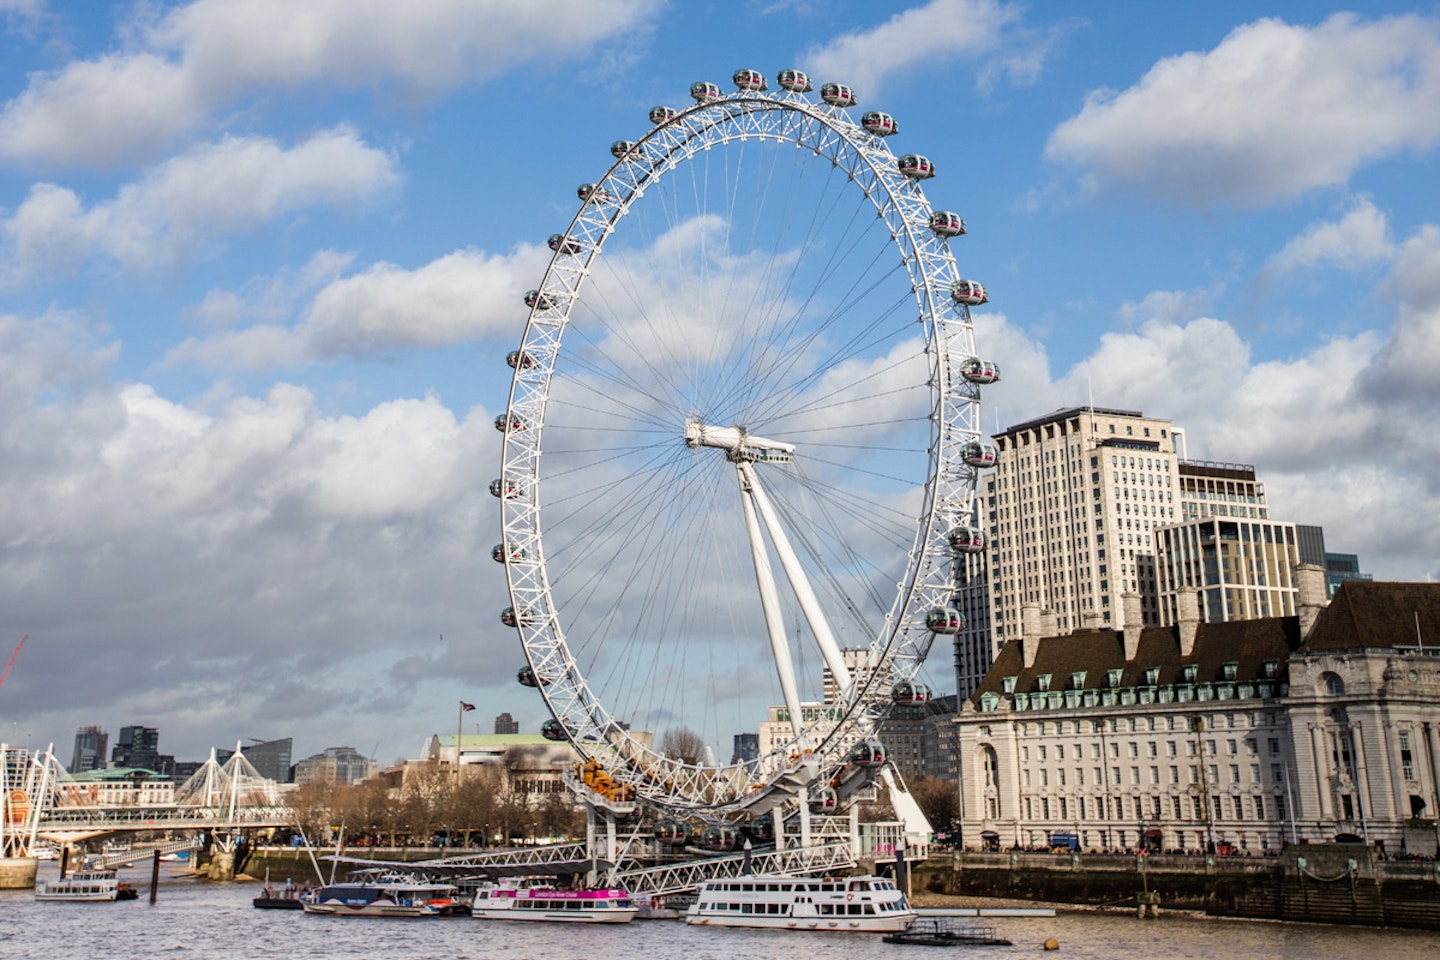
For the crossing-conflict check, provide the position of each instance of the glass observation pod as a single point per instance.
(562, 244)
(497, 553)
(907, 691)
(719, 836)
(761, 829)
(749, 80)
(553, 729)
(969, 292)
(511, 422)
(662, 113)
(967, 539)
(880, 124)
(944, 620)
(796, 81)
(589, 191)
(527, 676)
(624, 149)
(510, 490)
(978, 453)
(977, 370)
(518, 359)
(673, 832)
(537, 300)
(916, 167)
(868, 753)
(525, 618)
(947, 223)
(704, 91)
(838, 95)
(824, 800)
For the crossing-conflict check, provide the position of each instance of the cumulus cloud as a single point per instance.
(211, 191)
(461, 297)
(210, 55)
(1275, 110)
(1356, 240)
(939, 31)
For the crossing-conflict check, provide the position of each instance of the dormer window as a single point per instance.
(1152, 676)
(1042, 682)
(1009, 684)
(1077, 680)
(1272, 669)
(1112, 677)
(1230, 669)
(1190, 672)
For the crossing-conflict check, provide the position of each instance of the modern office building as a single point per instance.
(506, 724)
(270, 758)
(139, 748)
(1243, 569)
(1242, 735)
(342, 765)
(90, 745)
(746, 748)
(1340, 567)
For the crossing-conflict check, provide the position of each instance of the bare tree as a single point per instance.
(682, 744)
(939, 800)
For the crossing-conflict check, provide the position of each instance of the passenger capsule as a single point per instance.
(795, 81)
(497, 553)
(837, 95)
(537, 300)
(674, 832)
(947, 224)
(527, 676)
(625, 150)
(945, 620)
(719, 836)
(553, 729)
(868, 753)
(969, 292)
(978, 453)
(506, 489)
(589, 191)
(749, 81)
(662, 114)
(520, 360)
(967, 539)
(563, 244)
(761, 829)
(524, 618)
(977, 370)
(510, 423)
(824, 800)
(880, 124)
(703, 91)
(908, 691)
(916, 167)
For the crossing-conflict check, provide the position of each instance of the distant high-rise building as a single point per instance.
(270, 758)
(343, 765)
(1241, 569)
(506, 724)
(1310, 540)
(90, 745)
(139, 747)
(1340, 567)
(747, 748)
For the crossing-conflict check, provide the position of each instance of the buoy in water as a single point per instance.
(1052, 944)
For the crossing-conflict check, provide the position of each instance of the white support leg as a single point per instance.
(770, 603)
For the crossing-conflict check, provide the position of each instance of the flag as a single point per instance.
(466, 707)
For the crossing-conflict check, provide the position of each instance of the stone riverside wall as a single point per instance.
(1338, 883)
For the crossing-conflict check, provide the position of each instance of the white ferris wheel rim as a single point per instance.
(949, 491)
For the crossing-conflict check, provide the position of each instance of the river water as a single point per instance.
(212, 921)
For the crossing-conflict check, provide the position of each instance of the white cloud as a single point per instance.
(1356, 240)
(1273, 111)
(214, 190)
(212, 54)
(941, 30)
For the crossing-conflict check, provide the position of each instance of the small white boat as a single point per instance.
(508, 902)
(85, 886)
(384, 898)
(841, 904)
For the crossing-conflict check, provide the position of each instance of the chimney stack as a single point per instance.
(1029, 631)
(1310, 579)
(1131, 622)
(1188, 622)
(1049, 623)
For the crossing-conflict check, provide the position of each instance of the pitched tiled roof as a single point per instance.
(1365, 614)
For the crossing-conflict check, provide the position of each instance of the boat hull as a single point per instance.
(835, 924)
(558, 916)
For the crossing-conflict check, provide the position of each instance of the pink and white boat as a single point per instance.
(556, 906)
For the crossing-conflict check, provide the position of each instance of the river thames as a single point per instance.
(217, 922)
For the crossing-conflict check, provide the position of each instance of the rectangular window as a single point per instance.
(1407, 760)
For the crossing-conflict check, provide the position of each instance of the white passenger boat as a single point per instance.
(384, 898)
(841, 904)
(558, 906)
(85, 886)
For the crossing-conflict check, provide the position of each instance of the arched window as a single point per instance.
(1333, 684)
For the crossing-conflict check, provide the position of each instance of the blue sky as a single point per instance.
(258, 274)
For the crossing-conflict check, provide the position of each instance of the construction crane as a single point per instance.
(11, 662)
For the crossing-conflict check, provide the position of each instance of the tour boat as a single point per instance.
(86, 886)
(508, 902)
(842, 904)
(384, 898)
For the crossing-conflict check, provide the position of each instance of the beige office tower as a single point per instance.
(1071, 509)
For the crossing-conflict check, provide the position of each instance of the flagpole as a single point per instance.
(459, 725)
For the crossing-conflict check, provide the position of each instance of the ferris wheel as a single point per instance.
(741, 451)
